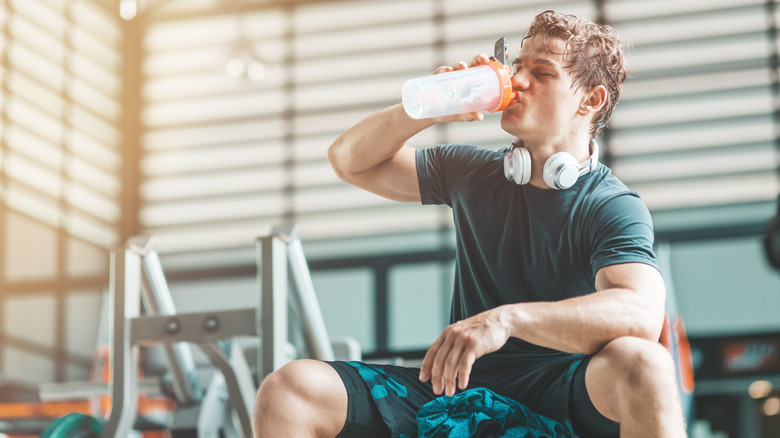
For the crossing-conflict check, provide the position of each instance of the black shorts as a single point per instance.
(384, 399)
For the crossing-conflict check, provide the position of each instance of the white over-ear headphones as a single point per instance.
(561, 170)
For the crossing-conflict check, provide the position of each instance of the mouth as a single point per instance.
(516, 99)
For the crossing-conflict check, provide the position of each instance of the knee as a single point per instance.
(299, 384)
(638, 363)
(303, 398)
(284, 384)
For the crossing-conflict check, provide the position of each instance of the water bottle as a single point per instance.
(486, 87)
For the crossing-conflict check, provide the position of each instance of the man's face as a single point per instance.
(546, 104)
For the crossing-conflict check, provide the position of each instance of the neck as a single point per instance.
(580, 149)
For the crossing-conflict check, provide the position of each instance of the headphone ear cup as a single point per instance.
(561, 171)
(517, 166)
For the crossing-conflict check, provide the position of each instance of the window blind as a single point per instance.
(60, 111)
(696, 126)
(226, 158)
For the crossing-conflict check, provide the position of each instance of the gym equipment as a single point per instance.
(772, 239)
(74, 425)
(224, 407)
(673, 335)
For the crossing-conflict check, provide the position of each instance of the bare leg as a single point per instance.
(633, 381)
(303, 399)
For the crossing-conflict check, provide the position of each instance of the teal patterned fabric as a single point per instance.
(481, 413)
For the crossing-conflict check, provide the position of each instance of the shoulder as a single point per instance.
(610, 209)
(617, 225)
(606, 194)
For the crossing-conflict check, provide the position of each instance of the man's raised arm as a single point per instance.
(374, 156)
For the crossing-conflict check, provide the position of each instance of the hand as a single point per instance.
(452, 355)
(465, 117)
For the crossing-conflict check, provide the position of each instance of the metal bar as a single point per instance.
(124, 305)
(748, 416)
(36, 286)
(157, 300)
(131, 127)
(81, 390)
(314, 332)
(381, 308)
(443, 255)
(273, 320)
(194, 327)
(241, 388)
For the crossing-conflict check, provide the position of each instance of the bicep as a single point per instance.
(395, 178)
(642, 279)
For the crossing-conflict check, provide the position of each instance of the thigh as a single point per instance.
(630, 371)
(301, 398)
(586, 419)
(396, 391)
(363, 417)
(552, 385)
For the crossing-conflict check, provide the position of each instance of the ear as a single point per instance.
(593, 100)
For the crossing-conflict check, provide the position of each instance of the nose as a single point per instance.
(520, 80)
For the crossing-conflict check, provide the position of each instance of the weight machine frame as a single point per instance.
(283, 278)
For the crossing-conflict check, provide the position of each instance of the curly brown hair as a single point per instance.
(593, 55)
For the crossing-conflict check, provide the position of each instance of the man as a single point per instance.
(558, 302)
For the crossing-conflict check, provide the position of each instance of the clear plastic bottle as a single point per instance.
(485, 87)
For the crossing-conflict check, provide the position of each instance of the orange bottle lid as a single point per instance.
(502, 71)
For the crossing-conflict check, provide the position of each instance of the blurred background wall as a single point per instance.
(206, 122)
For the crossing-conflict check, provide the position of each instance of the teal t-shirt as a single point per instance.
(524, 244)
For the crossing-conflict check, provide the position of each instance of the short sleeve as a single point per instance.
(433, 189)
(623, 233)
(441, 168)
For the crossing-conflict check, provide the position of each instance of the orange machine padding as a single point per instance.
(21, 410)
(673, 334)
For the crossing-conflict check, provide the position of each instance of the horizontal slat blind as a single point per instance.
(224, 159)
(696, 125)
(60, 102)
(60, 111)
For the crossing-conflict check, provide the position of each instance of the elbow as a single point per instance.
(651, 322)
(646, 320)
(647, 325)
(654, 325)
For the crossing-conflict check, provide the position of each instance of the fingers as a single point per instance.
(477, 60)
(464, 117)
(433, 363)
(465, 369)
(427, 363)
(445, 68)
(442, 69)
(448, 364)
(451, 366)
(440, 381)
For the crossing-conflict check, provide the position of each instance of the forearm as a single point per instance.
(585, 324)
(373, 141)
